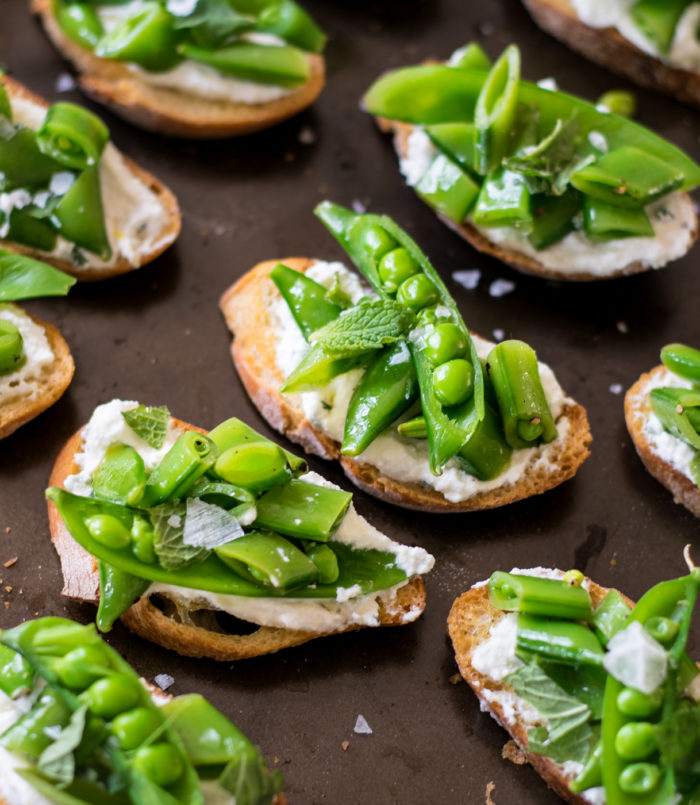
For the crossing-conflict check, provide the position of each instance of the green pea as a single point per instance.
(161, 763)
(396, 267)
(662, 629)
(11, 347)
(636, 704)
(619, 102)
(377, 241)
(82, 666)
(636, 740)
(142, 540)
(135, 726)
(445, 342)
(417, 292)
(453, 381)
(574, 578)
(639, 778)
(112, 695)
(428, 316)
(108, 531)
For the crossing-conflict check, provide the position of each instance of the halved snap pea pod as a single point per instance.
(673, 407)
(80, 23)
(256, 466)
(539, 596)
(80, 215)
(305, 298)
(120, 476)
(186, 461)
(72, 136)
(682, 360)
(232, 432)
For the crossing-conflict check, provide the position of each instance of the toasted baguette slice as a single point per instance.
(47, 386)
(518, 260)
(469, 623)
(246, 305)
(148, 247)
(637, 412)
(169, 111)
(194, 632)
(608, 47)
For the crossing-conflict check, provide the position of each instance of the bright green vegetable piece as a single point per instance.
(319, 366)
(447, 189)
(5, 104)
(417, 292)
(610, 616)
(11, 347)
(619, 102)
(682, 360)
(303, 510)
(695, 468)
(186, 461)
(635, 704)
(590, 775)
(504, 200)
(27, 735)
(108, 531)
(453, 381)
(326, 561)
(457, 141)
(560, 641)
(160, 763)
(72, 136)
(290, 22)
(134, 727)
(671, 407)
(640, 778)
(256, 466)
(636, 740)
(24, 278)
(112, 695)
(118, 591)
(305, 298)
(396, 267)
(16, 674)
(663, 630)
(279, 65)
(30, 230)
(552, 217)
(233, 431)
(81, 216)
(22, 164)
(658, 19)
(539, 596)
(445, 342)
(120, 476)
(470, 57)
(81, 666)
(147, 38)
(495, 111)
(80, 23)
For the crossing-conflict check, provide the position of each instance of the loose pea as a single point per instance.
(135, 726)
(573, 578)
(445, 342)
(112, 695)
(453, 381)
(636, 740)
(161, 763)
(619, 102)
(639, 778)
(636, 704)
(82, 666)
(417, 292)
(397, 266)
(142, 540)
(662, 629)
(108, 531)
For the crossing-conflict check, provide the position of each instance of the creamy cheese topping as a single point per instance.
(667, 447)
(404, 460)
(684, 52)
(26, 381)
(135, 217)
(673, 219)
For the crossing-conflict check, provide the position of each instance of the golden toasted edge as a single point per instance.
(177, 630)
(468, 624)
(168, 111)
(606, 46)
(88, 272)
(56, 376)
(245, 307)
(513, 258)
(637, 411)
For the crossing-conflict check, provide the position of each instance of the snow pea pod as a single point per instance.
(682, 360)
(388, 387)
(290, 22)
(80, 215)
(11, 347)
(658, 19)
(73, 136)
(470, 57)
(305, 298)
(533, 595)
(256, 466)
(16, 674)
(80, 23)
(28, 734)
(118, 591)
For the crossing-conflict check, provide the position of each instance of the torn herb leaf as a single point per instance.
(150, 424)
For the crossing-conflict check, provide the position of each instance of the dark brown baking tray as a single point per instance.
(156, 336)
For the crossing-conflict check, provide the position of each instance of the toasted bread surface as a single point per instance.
(169, 111)
(246, 307)
(637, 411)
(469, 624)
(191, 632)
(515, 259)
(608, 47)
(53, 381)
(93, 270)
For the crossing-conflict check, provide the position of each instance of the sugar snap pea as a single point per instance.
(470, 57)
(72, 136)
(305, 298)
(12, 354)
(682, 360)
(232, 432)
(658, 19)
(255, 466)
(539, 596)
(448, 189)
(80, 23)
(279, 64)
(80, 215)
(672, 407)
(186, 461)
(290, 22)
(118, 591)
(120, 476)
(563, 641)
(16, 675)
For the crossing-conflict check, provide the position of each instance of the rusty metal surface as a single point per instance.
(156, 335)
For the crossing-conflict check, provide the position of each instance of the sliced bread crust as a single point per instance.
(608, 47)
(54, 379)
(468, 625)
(518, 260)
(637, 411)
(91, 271)
(246, 307)
(169, 111)
(192, 632)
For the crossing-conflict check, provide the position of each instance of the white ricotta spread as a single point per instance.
(495, 657)
(667, 447)
(673, 219)
(107, 426)
(26, 382)
(402, 459)
(135, 217)
(684, 52)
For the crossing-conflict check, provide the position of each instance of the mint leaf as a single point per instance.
(150, 424)
(371, 324)
(57, 761)
(569, 734)
(337, 295)
(679, 739)
(212, 23)
(168, 521)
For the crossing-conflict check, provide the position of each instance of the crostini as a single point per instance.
(543, 181)
(147, 511)
(388, 380)
(192, 69)
(69, 197)
(36, 366)
(598, 694)
(662, 412)
(652, 43)
(77, 725)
